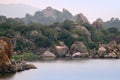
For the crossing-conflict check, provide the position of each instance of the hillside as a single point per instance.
(37, 37)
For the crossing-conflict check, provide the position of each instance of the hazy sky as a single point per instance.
(92, 9)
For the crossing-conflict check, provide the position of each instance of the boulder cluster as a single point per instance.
(79, 50)
(111, 50)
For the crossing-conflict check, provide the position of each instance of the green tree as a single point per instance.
(42, 41)
(67, 24)
(66, 37)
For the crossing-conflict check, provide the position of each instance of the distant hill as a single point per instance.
(114, 22)
(48, 16)
(29, 14)
(16, 10)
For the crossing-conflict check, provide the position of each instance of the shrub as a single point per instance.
(42, 41)
(26, 57)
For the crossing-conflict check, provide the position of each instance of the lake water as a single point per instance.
(93, 69)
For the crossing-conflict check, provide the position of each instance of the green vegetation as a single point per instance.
(33, 36)
(26, 57)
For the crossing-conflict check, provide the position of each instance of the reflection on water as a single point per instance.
(65, 69)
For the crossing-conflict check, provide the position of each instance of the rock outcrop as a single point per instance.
(79, 47)
(6, 53)
(81, 19)
(17, 66)
(85, 30)
(61, 50)
(102, 51)
(67, 15)
(98, 24)
(48, 16)
(111, 50)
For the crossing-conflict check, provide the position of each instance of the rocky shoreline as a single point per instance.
(17, 66)
(79, 50)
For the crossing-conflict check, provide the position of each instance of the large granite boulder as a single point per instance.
(102, 51)
(61, 50)
(48, 54)
(79, 47)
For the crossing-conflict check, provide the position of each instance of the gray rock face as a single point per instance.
(67, 15)
(98, 24)
(81, 19)
(79, 47)
(48, 16)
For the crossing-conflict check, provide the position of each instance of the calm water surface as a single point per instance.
(94, 69)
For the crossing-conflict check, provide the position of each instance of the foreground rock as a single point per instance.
(48, 54)
(79, 47)
(17, 66)
(6, 53)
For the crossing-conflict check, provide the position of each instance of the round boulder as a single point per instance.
(79, 47)
(101, 51)
(48, 54)
(61, 50)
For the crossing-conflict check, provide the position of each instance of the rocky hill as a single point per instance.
(36, 37)
(48, 16)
